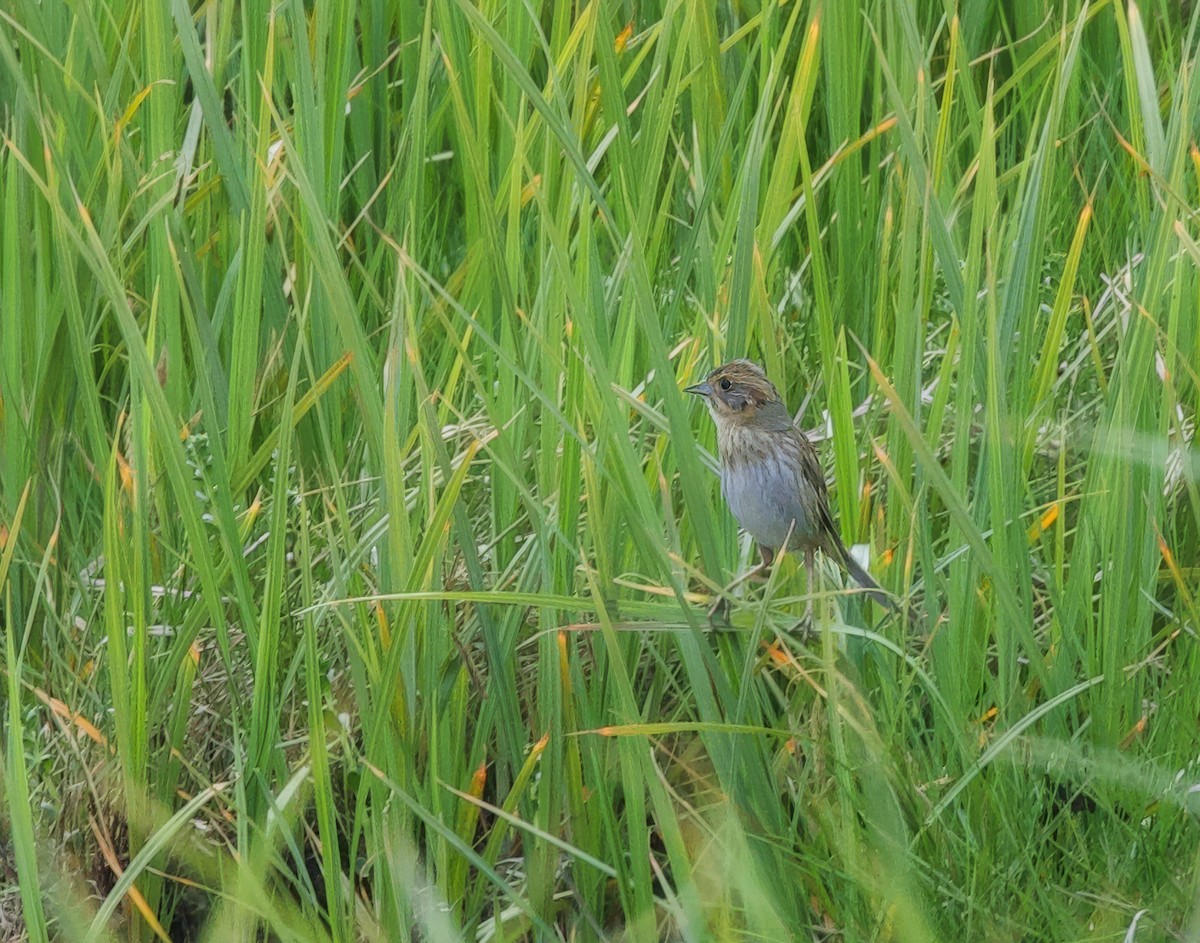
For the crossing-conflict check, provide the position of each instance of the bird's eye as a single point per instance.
(725, 384)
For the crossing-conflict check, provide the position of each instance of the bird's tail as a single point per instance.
(865, 580)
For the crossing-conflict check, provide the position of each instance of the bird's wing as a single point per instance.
(814, 480)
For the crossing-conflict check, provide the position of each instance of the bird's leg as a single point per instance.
(768, 557)
(718, 613)
(808, 578)
(758, 573)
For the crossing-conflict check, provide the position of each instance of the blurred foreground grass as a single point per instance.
(355, 537)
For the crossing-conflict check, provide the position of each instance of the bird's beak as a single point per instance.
(700, 389)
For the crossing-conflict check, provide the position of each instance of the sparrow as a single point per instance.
(770, 475)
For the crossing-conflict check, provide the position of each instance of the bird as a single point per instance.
(771, 477)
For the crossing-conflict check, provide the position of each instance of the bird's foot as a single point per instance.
(718, 614)
(807, 625)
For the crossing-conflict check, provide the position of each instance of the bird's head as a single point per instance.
(739, 393)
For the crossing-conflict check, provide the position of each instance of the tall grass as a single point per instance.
(356, 538)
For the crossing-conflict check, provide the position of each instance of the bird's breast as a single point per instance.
(762, 483)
